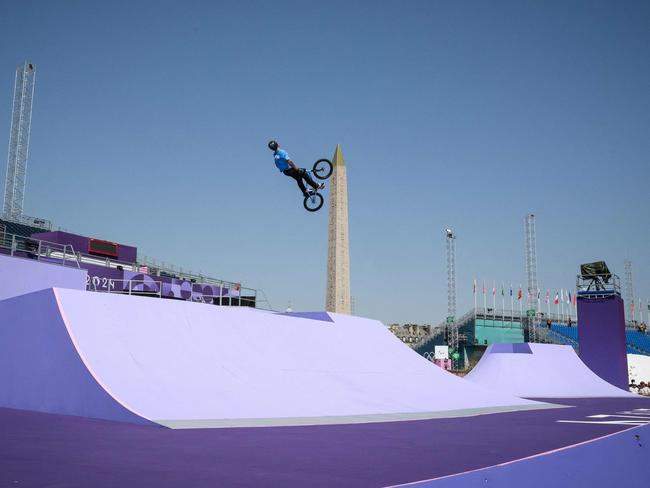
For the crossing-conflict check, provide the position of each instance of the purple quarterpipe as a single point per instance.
(539, 371)
(187, 365)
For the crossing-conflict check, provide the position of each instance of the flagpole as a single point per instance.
(484, 303)
(511, 305)
(494, 301)
(474, 302)
(503, 304)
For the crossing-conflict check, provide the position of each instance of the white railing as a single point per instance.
(51, 252)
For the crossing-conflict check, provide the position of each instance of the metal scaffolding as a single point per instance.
(21, 121)
(452, 325)
(531, 272)
(629, 293)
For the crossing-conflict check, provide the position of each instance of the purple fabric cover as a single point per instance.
(21, 275)
(516, 348)
(601, 336)
(322, 316)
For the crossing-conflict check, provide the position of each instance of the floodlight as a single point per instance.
(596, 273)
(598, 269)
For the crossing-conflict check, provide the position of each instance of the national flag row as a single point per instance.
(561, 295)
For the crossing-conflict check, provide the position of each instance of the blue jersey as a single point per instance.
(281, 159)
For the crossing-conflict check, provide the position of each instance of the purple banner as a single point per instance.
(105, 279)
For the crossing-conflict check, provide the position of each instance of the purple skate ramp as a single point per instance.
(539, 371)
(185, 365)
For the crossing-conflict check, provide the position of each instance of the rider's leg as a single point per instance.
(309, 179)
(298, 177)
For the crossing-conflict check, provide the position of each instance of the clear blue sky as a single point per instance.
(151, 120)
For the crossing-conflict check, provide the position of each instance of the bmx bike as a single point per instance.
(322, 170)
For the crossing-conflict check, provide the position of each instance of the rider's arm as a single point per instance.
(291, 164)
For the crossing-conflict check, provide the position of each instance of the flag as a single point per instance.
(483, 287)
(568, 297)
(474, 286)
(511, 290)
(538, 294)
(519, 294)
(546, 296)
(494, 288)
(557, 298)
(575, 299)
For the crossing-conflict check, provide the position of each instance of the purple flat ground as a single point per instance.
(39, 449)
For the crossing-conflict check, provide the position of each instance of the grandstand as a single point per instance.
(480, 327)
(115, 268)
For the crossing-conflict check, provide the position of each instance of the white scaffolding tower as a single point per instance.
(531, 272)
(21, 121)
(452, 325)
(629, 293)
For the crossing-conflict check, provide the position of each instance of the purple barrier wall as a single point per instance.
(128, 254)
(620, 459)
(41, 370)
(21, 275)
(601, 337)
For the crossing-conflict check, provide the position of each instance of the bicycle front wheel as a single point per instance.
(323, 169)
(313, 202)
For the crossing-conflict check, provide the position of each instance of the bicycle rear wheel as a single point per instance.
(313, 202)
(323, 169)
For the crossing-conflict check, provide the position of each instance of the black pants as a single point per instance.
(300, 174)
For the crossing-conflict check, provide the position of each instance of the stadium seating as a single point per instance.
(558, 338)
(19, 229)
(566, 331)
(637, 342)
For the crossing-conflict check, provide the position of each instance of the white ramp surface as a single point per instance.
(189, 365)
(539, 371)
(184, 365)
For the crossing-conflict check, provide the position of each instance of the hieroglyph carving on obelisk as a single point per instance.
(338, 248)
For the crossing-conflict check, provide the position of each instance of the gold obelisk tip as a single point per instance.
(337, 159)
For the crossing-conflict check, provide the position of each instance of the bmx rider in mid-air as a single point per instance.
(284, 164)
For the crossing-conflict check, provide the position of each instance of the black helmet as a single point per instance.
(273, 145)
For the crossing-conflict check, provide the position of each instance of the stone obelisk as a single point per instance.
(338, 248)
